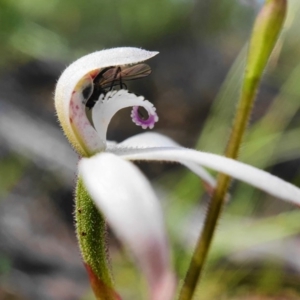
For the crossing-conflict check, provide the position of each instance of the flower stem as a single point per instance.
(91, 234)
(265, 32)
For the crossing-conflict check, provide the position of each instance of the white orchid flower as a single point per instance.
(120, 191)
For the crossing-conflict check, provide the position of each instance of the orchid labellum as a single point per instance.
(108, 180)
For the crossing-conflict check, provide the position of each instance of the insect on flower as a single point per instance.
(112, 76)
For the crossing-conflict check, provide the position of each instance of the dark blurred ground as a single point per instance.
(198, 42)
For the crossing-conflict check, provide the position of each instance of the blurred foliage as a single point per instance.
(10, 172)
(200, 42)
(64, 29)
(67, 29)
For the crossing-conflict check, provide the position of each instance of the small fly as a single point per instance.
(112, 76)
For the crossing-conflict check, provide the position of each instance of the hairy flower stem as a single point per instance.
(91, 234)
(264, 35)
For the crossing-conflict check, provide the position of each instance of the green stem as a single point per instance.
(265, 33)
(91, 234)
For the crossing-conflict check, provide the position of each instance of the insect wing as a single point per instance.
(135, 72)
(113, 75)
(109, 76)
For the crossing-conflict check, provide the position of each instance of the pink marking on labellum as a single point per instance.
(89, 138)
(145, 123)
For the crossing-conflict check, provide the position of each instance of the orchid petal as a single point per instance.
(152, 139)
(126, 199)
(69, 100)
(112, 102)
(251, 175)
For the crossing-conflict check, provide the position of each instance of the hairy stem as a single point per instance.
(91, 234)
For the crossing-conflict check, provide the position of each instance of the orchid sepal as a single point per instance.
(238, 170)
(131, 208)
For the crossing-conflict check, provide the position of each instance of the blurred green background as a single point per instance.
(195, 84)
